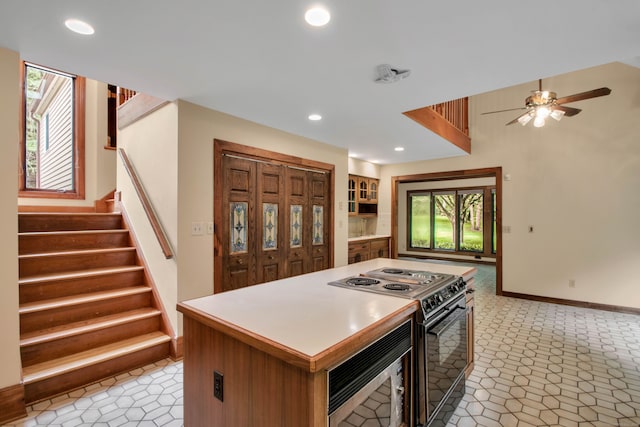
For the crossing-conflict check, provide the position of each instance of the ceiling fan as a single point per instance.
(542, 104)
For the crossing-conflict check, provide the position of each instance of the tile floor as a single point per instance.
(537, 364)
(540, 364)
(149, 396)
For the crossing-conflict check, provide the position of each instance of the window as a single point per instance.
(452, 221)
(420, 220)
(444, 221)
(471, 220)
(52, 142)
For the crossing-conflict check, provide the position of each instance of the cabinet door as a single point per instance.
(379, 248)
(358, 252)
(373, 190)
(238, 224)
(298, 224)
(270, 223)
(352, 204)
(319, 202)
(363, 189)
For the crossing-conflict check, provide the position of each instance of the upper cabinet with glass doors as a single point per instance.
(363, 195)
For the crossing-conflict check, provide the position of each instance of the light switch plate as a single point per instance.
(197, 229)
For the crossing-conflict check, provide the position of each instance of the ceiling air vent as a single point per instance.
(388, 74)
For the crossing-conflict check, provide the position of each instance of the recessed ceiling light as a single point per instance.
(78, 26)
(315, 117)
(399, 148)
(374, 161)
(317, 16)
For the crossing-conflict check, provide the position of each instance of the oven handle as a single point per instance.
(441, 329)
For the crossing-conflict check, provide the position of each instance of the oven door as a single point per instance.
(446, 352)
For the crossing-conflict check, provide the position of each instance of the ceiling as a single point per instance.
(259, 60)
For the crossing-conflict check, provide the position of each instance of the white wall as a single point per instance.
(152, 147)
(363, 168)
(198, 127)
(172, 150)
(576, 181)
(100, 164)
(10, 365)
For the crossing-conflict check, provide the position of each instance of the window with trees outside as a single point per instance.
(52, 137)
(456, 220)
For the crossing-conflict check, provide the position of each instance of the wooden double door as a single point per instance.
(275, 222)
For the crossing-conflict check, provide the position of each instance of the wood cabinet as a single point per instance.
(358, 251)
(470, 328)
(362, 196)
(367, 189)
(379, 248)
(264, 383)
(275, 222)
(363, 250)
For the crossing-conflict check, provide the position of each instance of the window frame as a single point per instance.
(79, 102)
(487, 221)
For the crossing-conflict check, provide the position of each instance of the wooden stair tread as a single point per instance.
(79, 274)
(36, 306)
(62, 365)
(84, 326)
(78, 252)
(73, 232)
(67, 214)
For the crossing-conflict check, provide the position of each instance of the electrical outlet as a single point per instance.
(572, 283)
(210, 228)
(506, 229)
(197, 229)
(218, 386)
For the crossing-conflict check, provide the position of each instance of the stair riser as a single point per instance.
(67, 222)
(73, 262)
(33, 244)
(69, 287)
(50, 387)
(38, 353)
(35, 321)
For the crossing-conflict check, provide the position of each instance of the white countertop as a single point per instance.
(369, 237)
(304, 313)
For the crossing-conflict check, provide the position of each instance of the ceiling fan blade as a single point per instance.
(517, 118)
(584, 95)
(568, 111)
(502, 111)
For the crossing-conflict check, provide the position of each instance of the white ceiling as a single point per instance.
(259, 60)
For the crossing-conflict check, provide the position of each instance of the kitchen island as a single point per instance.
(272, 344)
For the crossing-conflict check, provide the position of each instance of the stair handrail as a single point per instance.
(147, 206)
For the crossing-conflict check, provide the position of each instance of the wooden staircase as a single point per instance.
(87, 310)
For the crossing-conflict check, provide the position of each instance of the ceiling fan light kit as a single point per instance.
(543, 104)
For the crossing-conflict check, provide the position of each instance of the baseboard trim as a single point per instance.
(444, 258)
(583, 304)
(177, 348)
(12, 404)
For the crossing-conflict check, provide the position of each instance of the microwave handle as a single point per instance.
(441, 329)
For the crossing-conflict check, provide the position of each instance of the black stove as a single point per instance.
(440, 339)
